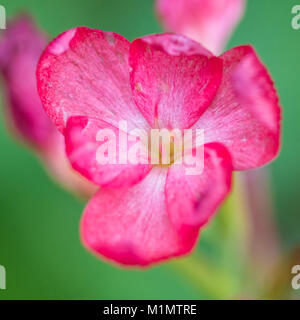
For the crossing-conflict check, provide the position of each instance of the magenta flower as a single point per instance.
(21, 46)
(89, 80)
(209, 22)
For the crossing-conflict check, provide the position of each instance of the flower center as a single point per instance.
(165, 148)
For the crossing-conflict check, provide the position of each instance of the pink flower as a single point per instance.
(20, 48)
(89, 80)
(210, 22)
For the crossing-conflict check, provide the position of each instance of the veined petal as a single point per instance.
(173, 79)
(210, 22)
(85, 72)
(131, 225)
(193, 198)
(245, 114)
(94, 148)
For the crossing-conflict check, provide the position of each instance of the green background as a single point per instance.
(39, 243)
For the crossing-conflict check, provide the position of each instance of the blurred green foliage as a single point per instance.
(39, 243)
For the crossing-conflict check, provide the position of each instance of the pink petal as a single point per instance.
(131, 225)
(210, 22)
(173, 79)
(82, 145)
(245, 115)
(192, 199)
(21, 45)
(85, 72)
(251, 74)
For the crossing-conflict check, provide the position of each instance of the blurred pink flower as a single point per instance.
(20, 48)
(89, 79)
(209, 22)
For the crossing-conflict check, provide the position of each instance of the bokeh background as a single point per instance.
(39, 242)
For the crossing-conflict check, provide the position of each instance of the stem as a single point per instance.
(206, 278)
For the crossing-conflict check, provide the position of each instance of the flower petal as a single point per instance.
(93, 148)
(208, 21)
(245, 115)
(85, 72)
(173, 79)
(21, 45)
(193, 198)
(131, 225)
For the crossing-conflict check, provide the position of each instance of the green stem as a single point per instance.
(206, 278)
